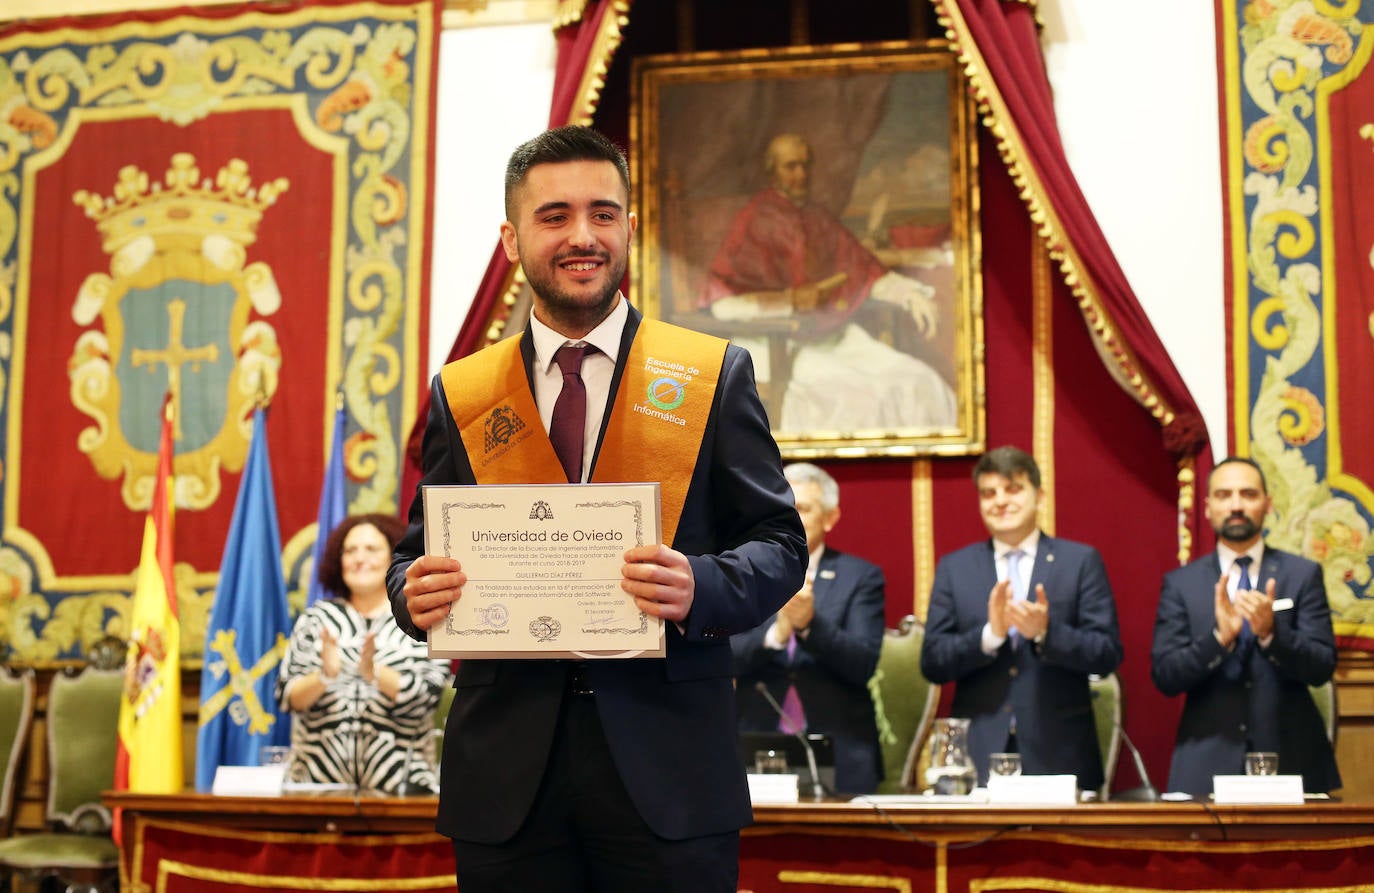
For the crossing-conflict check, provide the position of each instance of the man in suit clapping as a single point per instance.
(817, 653)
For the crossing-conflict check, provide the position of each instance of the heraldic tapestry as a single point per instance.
(231, 207)
(1298, 137)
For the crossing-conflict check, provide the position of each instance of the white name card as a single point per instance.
(773, 788)
(249, 781)
(1246, 789)
(1056, 790)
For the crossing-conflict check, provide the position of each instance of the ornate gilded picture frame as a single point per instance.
(819, 206)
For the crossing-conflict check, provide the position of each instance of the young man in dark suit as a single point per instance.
(817, 655)
(1243, 632)
(1018, 622)
(614, 774)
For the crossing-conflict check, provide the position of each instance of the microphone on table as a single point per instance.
(1146, 793)
(817, 789)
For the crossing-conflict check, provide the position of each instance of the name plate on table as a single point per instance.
(543, 566)
(249, 781)
(773, 788)
(1255, 789)
(1052, 790)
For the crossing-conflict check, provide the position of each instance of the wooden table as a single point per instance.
(803, 847)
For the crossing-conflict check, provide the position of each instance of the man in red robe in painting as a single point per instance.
(784, 256)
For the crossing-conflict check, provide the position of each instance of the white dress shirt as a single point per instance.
(1000, 551)
(598, 367)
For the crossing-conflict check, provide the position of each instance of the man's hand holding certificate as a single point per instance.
(549, 571)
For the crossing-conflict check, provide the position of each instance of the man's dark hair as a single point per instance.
(570, 143)
(1239, 460)
(1008, 461)
(330, 571)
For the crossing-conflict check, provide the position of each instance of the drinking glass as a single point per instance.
(770, 762)
(1261, 762)
(274, 755)
(1006, 764)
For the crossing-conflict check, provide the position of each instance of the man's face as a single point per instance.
(792, 170)
(1237, 504)
(815, 519)
(571, 234)
(1008, 505)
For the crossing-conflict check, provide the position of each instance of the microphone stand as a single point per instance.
(817, 790)
(1146, 793)
(357, 736)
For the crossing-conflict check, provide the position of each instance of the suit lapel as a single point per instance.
(1270, 568)
(822, 588)
(1044, 561)
(987, 573)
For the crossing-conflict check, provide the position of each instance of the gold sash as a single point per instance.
(654, 433)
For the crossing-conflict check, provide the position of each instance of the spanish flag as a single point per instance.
(148, 758)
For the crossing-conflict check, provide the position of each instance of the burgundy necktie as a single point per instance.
(567, 428)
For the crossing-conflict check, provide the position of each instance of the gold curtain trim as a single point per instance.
(923, 539)
(1120, 360)
(500, 313)
(1187, 495)
(1042, 379)
(569, 12)
(610, 32)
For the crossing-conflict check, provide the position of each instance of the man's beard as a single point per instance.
(563, 306)
(1238, 529)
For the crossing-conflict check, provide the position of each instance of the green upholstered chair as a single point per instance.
(445, 704)
(16, 715)
(904, 704)
(1325, 698)
(1107, 715)
(83, 724)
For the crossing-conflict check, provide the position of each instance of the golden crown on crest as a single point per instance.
(183, 207)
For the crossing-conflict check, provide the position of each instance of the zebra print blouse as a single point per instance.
(354, 734)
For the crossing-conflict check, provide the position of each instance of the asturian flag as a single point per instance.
(333, 507)
(148, 755)
(248, 629)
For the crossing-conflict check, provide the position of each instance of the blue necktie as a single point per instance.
(1246, 639)
(1018, 590)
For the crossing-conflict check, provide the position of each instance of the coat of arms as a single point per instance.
(172, 316)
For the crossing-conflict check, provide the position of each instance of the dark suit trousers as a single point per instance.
(584, 835)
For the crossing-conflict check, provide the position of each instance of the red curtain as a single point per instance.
(1000, 43)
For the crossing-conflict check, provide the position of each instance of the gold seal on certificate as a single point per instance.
(543, 566)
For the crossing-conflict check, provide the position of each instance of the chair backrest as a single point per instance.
(904, 704)
(16, 714)
(445, 704)
(83, 728)
(1107, 715)
(1325, 698)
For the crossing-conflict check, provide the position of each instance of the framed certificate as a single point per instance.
(543, 566)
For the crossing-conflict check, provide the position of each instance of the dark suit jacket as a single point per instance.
(830, 670)
(1044, 686)
(669, 722)
(1233, 702)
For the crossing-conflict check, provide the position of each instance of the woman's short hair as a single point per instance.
(330, 571)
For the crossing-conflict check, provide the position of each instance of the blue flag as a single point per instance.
(333, 505)
(248, 629)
